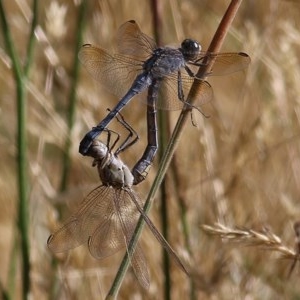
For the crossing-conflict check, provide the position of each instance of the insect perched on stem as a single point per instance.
(107, 217)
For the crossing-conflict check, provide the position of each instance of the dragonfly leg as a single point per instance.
(180, 89)
(132, 137)
(201, 62)
(189, 71)
(181, 95)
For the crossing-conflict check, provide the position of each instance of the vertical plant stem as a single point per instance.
(163, 138)
(73, 98)
(164, 207)
(11, 285)
(163, 129)
(22, 172)
(23, 213)
(215, 46)
(31, 41)
(22, 223)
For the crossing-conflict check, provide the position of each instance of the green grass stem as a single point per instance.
(21, 76)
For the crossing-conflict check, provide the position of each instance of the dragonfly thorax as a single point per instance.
(113, 172)
(164, 61)
(190, 49)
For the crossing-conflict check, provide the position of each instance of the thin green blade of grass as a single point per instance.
(21, 75)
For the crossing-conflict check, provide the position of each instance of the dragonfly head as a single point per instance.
(190, 49)
(97, 150)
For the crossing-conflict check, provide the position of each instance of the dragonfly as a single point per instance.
(106, 219)
(139, 65)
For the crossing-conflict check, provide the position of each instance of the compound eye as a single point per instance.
(190, 49)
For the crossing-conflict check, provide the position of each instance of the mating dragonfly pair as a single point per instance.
(107, 217)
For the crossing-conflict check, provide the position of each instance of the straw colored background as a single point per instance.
(239, 168)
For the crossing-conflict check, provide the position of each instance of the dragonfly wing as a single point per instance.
(140, 268)
(77, 229)
(115, 231)
(133, 42)
(65, 238)
(114, 71)
(156, 233)
(225, 63)
(169, 98)
(128, 217)
(108, 237)
(115, 225)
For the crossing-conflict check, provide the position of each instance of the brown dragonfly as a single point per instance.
(107, 217)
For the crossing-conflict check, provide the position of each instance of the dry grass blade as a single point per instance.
(264, 239)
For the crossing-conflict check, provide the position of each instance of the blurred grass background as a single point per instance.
(239, 168)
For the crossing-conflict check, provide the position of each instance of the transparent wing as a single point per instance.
(132, 41)
(225, 63)
(118, 71)
(116, 231)
(109, 236)
(77, 229)
(169, 97)
(129, 215)
(114, 71)
(65, 238)
(156, 233)
(140, 268)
